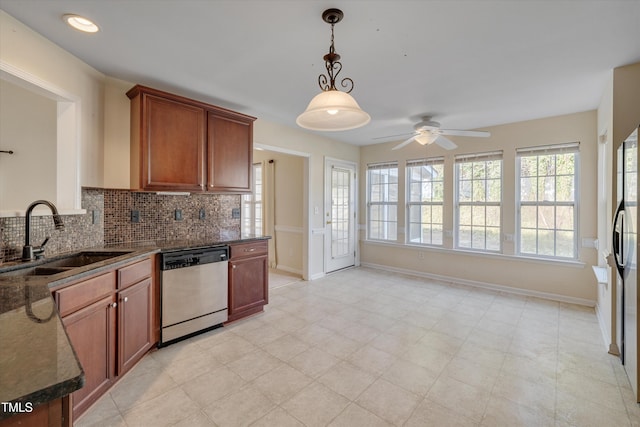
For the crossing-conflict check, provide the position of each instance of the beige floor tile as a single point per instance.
(252, 365)
(355, 415)
(132, 391)
(339, 346)
(429, 413)
(575, 411)
(104, 409)
(458, 355)
(231, 349)
(213, 385)
(187, 368)
(591, 390)
(198, 419)
(462, 398)
(388, 401)
(411, 377)
(505, 413)
(286, 347)
(313, 362)
(537, 395)
(347, 380)
(277, 417)
(371, 359)
(163, 410)
(316, 405)
(240, 409)
(281, 383)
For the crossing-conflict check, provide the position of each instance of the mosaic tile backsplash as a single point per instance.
(109, 221)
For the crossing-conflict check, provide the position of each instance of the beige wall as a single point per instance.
(569, 281)
(289, 205)
(618, 115)
(28, 51)
(28, 128)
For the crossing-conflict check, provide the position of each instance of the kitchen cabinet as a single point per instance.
(51, 414)
(110, 321)
(248, 279)
(180, 144)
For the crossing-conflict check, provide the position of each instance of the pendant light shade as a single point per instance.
(333, 110)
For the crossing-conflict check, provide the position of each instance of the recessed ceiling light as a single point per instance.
(80, 23)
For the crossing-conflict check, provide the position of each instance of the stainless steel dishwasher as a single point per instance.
(194, 291)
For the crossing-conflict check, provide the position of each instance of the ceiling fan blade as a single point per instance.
(455, 132)
(394, 136)
(445, 143)
(406, 142)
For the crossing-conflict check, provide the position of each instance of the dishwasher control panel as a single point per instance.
(193, 257)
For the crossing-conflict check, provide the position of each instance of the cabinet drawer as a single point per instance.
(75, 297)
(242, 250)
(134, 273)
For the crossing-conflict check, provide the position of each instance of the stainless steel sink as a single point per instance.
(63, 264)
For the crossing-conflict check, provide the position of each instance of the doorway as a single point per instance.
(340, 214)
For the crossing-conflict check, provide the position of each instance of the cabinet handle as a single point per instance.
(125, 299)
(250, 250)
(114, 305)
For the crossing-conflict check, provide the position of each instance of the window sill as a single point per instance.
(492, 255)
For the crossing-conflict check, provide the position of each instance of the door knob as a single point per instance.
(328, 222)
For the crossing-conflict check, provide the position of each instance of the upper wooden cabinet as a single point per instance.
(179, 144)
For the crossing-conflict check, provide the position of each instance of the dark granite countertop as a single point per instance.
(37, 361)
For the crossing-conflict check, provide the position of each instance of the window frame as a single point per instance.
(542, 150)
(430, 161)
(389, 234)
(250, 203)
(476, 158)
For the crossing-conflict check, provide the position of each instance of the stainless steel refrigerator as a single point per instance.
(625, 249)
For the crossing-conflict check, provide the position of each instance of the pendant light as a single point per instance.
(332, 109)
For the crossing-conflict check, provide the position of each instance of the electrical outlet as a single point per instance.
(178, 215)
(135, 215)
(235, 213)
(202, 214)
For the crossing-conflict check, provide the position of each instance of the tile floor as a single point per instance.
(363, 347)
(278, 278)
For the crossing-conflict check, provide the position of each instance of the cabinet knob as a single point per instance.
(125, 299)
(114, 305)
(234, 266)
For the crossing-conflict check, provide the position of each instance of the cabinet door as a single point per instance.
(92, 334)
(173, 145)
(248, 286)
(229, 154)
(134, 324)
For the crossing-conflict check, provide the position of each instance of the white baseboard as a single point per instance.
(317, 276)
(289, 269)
(484, 285)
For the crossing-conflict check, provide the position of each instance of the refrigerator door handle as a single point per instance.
(615, 238)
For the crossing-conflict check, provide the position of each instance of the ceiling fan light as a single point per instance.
(424, 139)
(333, 110)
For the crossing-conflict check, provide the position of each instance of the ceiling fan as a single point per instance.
(428, 131)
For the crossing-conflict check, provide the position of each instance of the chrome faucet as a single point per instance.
(29, 253)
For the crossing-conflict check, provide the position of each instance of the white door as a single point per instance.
(340, 215)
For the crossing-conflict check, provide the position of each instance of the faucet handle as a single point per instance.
(44, 242)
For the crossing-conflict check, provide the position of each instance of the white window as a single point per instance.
(547, 200)
(382, 201)
(252, 205)
(479, 201)
(425, 189)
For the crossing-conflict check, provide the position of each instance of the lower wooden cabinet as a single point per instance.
(92, 332)
(109, 319)
(52, 414)
(248, 279)
(134, 327)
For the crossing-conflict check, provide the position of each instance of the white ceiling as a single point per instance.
(471, 64)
